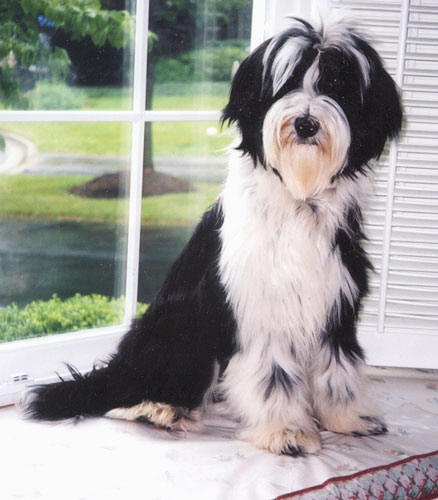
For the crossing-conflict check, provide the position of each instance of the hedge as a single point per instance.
(212, 63)
(43, 317)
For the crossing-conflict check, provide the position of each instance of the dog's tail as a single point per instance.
(94, 393)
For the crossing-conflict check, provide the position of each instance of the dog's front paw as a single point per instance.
(371, 426)
(355, 424)
(293, 442)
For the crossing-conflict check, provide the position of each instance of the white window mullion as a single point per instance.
(134, 221)
(109, 116)
(181, 116)
(393, 154)
(259, 11)
(136, 170)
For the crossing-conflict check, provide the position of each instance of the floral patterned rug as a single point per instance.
(412, 478)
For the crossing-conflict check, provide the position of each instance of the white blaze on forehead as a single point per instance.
(340, 34)
(285, 60)
(311, 77)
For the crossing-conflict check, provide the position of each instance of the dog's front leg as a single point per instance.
(270, 396)
(338, 391)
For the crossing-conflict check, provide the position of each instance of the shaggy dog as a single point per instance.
(261, 306)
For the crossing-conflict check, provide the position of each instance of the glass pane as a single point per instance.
(63, 209)
(185, 167)
(70, 55)
(194, 49)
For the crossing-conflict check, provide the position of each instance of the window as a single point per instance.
(162, 111)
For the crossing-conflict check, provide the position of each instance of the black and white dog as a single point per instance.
(263, 301)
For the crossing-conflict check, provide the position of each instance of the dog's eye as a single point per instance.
(335, 83)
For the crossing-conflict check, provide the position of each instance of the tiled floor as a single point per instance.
(115, 460)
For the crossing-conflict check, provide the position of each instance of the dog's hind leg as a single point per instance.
(161, 415)
(169, 355)
(166, 416)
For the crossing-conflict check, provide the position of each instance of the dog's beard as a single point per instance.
(306, 166)
(305, 169)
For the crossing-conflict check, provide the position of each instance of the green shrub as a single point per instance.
(44, 317)
(170, 69)
(216, 62)
(211, 63)
(50, 95)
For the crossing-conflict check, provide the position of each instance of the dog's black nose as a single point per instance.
(306, 126)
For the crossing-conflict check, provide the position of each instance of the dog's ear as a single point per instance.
(246, 88)
(381, 114)
(246, 105)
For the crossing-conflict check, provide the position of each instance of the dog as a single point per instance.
(260, 309)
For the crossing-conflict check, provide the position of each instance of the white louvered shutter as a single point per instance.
(399, 323)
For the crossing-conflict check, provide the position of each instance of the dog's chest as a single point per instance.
(282, 274)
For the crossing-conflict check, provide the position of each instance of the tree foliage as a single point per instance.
(22, 45)
(179, 23)
(174, 24)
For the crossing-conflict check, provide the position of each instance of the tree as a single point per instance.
(21, 45)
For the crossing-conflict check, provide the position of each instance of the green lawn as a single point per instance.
(47, 197)
(75, 137)
(170, 95)
(168, 138)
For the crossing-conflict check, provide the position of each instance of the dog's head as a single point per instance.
(313, 105)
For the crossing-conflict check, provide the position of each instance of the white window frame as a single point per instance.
(37, 359)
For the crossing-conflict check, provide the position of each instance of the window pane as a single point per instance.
(194, 49)
(190, 159)
(74, 56)
(63, 204)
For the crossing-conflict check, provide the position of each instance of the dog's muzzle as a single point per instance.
(306, 139)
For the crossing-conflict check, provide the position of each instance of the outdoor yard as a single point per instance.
(169, 138)
(47, 196)
(40, 199)
(63, 255)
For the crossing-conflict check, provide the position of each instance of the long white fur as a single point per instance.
(283, 281)
(285, 60)
(286, 57)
